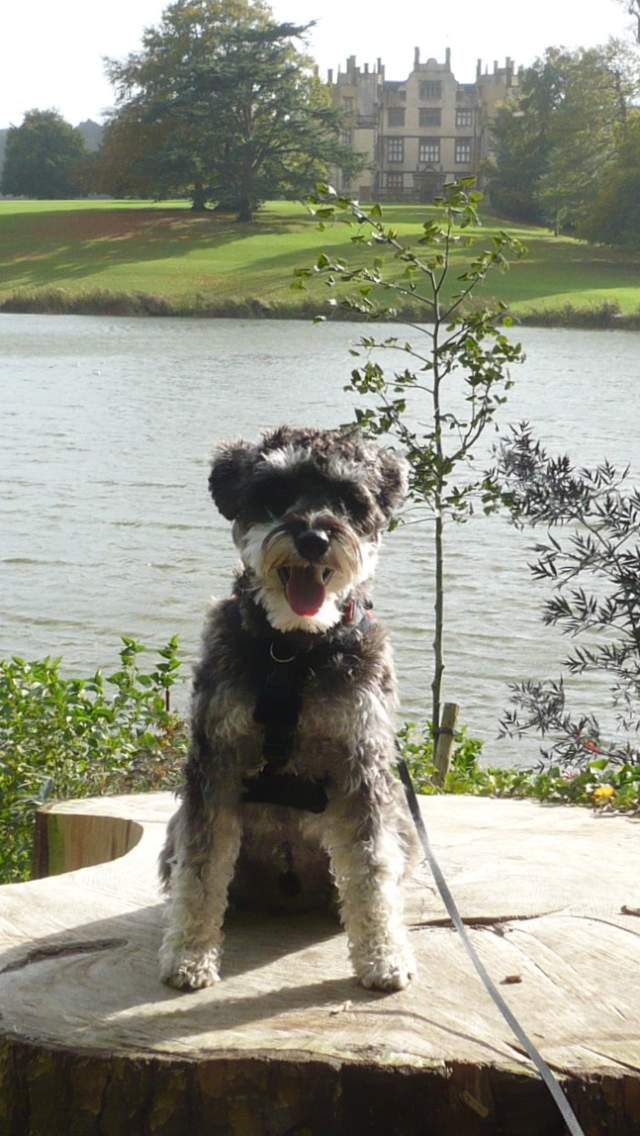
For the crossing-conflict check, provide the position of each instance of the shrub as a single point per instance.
(594, 574)
(609, 786)
(67, 737)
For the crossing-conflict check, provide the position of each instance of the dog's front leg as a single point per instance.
(202, 858)
(368, 862)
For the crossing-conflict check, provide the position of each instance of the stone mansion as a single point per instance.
(419, 133)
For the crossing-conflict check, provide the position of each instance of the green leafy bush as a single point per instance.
(603, 784)
(417, 748)
(68, 737)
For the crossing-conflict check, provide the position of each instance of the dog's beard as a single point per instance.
(295, 594)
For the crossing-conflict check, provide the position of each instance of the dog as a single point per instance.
(293, 742)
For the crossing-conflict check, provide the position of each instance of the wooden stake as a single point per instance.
(444, 741)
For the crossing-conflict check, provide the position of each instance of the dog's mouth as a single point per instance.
(305, 587)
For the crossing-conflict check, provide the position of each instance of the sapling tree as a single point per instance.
(457, 348)
(595, 577)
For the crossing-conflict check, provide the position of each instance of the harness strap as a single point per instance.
(554, 1087)
(277, 709)
(285, 789)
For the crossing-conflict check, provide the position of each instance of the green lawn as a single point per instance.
(84, 247)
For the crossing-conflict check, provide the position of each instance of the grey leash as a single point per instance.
(543, 1069)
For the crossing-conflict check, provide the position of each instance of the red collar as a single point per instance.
(355, 612)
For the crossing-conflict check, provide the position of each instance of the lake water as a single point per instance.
(106, 526)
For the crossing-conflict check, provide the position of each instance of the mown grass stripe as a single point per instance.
(162, 259)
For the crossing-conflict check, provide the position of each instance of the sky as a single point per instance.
(51, 51)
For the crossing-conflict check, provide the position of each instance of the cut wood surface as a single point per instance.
(287, 1043)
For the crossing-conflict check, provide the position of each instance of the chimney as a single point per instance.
(416, 57)
(448, 59)
(478, 69)
(330, 76)
(366, 68)
(495, 66)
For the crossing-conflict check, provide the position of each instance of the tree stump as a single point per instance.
(92, 1044)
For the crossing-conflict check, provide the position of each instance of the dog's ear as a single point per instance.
(233, 465)
(394, 481)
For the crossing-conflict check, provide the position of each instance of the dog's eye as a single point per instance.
(273, 497)
(281, 497)
(353, 503)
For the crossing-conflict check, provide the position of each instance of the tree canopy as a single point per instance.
(43, 157)
(558, 140)
(225, 108)
(614, 217)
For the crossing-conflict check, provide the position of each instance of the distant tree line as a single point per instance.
(44, 157)
(221, 107)
(567, 147)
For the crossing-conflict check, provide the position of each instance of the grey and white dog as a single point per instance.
(292, 734)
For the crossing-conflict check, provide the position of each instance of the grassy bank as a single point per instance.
(136, 258)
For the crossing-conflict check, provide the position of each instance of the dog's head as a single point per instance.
(308, 509)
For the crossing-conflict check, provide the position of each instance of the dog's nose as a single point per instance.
(312, 543)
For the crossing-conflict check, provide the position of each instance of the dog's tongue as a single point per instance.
(305, 592)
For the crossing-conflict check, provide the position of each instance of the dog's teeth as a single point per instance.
(326, 575)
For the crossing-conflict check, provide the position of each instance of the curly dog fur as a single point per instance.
(295, 692)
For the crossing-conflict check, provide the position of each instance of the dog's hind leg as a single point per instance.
(199, 861)
(368, 862)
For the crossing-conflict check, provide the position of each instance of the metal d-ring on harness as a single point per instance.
(568, 1115)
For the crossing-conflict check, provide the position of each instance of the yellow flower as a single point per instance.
(603, 794)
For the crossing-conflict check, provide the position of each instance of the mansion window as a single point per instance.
(429, 116)
(464, 116)
(395, 149)
(463, 151)
(347, 104)
(395, 116)
(394, 183)
(429, 150)
(431, 89)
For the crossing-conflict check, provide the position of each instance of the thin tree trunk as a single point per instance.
(438, 658)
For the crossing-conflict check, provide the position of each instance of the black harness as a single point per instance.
(291, 660)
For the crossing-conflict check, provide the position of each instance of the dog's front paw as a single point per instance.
(389, 972)
(189, 968)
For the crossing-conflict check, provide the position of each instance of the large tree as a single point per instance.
(557, 139)
(237, 111)
(614, 218)
(521, 134)
(584, 132)
(43, 157)
(134, 158)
